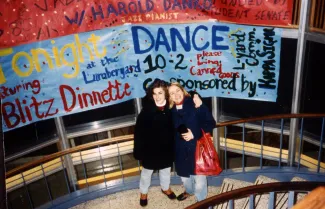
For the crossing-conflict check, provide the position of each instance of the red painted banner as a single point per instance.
(25, 21)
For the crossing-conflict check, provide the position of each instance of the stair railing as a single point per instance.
(251, 192)
(116, 147)
(245, 148)
(41, 169)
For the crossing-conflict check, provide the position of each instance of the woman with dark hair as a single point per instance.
(154, 140)
(189, 119)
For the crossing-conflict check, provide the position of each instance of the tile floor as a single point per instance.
(130, 200)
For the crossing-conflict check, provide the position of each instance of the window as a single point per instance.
(29, 136)
(112, 111)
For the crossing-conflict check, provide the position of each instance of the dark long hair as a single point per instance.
(157, 84)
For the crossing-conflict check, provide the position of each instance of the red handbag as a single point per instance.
(206, 157)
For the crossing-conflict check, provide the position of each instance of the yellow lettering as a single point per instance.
(2, 76)
(93, 39)
(74, 63)
(56, 55)
(17, 69)
(80, 45)
(4, 52)
(35, 53)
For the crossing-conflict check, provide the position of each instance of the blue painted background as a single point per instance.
(248, 55)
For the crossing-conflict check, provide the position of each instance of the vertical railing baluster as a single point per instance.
(320, 146)
(139, 167)
(101, 161)
(271, 200)
(231, 204)
(291, 200)
(226, 148)
(27, 191)
(243, 160)
(84, 169)
(65, 176)
(47, 185)
(281, 142)
(120, 161)
(262, 143)
(251, 201)
(174, 169)
(300, 144)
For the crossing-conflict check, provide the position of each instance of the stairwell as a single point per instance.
(157, 200)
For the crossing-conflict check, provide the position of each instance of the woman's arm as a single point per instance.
(197, 99)
(206, 119)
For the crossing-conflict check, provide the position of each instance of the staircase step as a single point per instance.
(229, 185)
(294, 179)
(261, 201)
(300, 196)
(282, 198)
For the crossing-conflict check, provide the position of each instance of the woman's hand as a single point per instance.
(197, 101)
(188, 136)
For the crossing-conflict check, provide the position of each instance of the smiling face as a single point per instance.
(176, 94)
(158, 96)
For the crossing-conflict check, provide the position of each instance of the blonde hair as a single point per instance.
(186, 94)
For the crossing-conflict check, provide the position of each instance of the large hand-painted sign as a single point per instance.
(88, 70)
(34, 20)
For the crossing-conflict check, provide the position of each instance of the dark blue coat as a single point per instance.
(194, 119)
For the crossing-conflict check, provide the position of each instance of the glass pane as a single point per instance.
(18, 199)
(313, 85)
(254, 136)
(38, 193)
(29, 136)
(57, 184)
(112, 111)
(122, 131)
(130, 165)
(38, 154)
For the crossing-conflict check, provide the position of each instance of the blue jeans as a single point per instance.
(197, 185)
(145, 180)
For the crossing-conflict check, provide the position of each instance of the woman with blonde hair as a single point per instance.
(189, 119)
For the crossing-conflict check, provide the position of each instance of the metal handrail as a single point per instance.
(271, 117)
(128, 137)
(79, 148)
(256, 189)
(41, 168)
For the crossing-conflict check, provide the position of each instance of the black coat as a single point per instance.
(154, 137)
(194, 119)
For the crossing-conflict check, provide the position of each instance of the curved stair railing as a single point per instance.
(118, 147)
(275, 153)
(252, 191)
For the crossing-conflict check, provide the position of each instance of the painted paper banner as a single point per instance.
(94, 69)
(34, 20)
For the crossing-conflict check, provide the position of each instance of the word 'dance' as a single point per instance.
(178, 41)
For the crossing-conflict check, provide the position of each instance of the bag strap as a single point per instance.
(203, 132)
(206, 143)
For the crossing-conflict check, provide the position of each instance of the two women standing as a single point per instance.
(167, 128)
